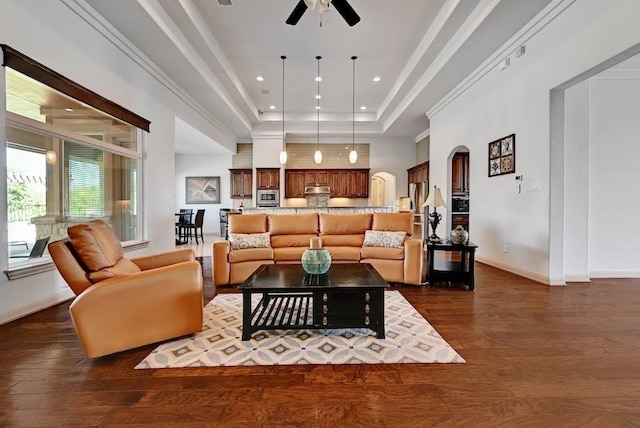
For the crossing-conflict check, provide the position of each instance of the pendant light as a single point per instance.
(353, 155)
(317, 156)
(283, 153)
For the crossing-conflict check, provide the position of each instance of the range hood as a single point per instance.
(317, 190)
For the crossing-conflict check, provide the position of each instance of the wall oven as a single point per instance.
(268, 198)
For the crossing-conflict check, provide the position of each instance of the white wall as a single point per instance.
(55, 36)
(393, 157)
(517, 100)
(204, 165)
(614, 122)
(576, 171)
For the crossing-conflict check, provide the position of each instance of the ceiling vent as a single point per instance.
(265, 92)
(224, 2)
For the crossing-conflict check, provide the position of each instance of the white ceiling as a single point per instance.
(421, 49)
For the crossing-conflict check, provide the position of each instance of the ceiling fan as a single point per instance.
(342, 6)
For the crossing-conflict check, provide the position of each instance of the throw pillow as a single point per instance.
(374, 238)
(241, 241)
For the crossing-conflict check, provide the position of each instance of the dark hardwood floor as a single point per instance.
(536, 356)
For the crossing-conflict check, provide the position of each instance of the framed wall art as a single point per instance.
(202, 190)
(502, 156)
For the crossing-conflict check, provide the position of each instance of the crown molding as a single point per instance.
(540, 21)
(423, 135)
(466, 30)
(214, 47)
(434, 29)
(109, 32)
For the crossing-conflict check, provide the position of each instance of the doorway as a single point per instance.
(383, 189)
(459, 199)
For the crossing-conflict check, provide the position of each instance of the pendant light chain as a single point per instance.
(353, 156)
(283, 153)
(317, 157)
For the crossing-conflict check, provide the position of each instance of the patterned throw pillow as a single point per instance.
(241, 241)
(374, 238)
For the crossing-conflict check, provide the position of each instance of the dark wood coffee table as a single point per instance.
(349, 295)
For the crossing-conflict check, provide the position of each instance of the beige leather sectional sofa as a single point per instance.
(256, 239)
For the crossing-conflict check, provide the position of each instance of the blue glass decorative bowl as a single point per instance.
(316, 260)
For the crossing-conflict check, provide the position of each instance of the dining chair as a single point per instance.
(184, 217)
(188, 229)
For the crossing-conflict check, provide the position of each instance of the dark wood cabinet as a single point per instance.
(314, 177)
(418, 173)
(241, 183)
(268, 178)
(344, 183)
(294, 184)
(460, 173)
(460, 220)
(358, 184)
(339, 183)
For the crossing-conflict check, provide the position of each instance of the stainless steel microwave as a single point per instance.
(268, 198)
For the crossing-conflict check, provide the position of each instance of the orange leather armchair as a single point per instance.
(125, 303)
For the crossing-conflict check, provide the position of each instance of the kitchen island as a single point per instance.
(326, 210)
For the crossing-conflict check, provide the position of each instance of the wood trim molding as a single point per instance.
(43, 74)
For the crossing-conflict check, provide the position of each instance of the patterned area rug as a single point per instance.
(409, 339)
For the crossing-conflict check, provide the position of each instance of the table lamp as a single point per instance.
(434, 200)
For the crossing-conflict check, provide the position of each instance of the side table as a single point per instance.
(461, 271)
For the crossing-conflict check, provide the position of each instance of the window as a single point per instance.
(67, 161)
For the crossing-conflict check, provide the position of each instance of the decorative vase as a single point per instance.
(459, 236)
(315, 259)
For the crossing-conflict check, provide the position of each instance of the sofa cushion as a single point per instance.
(241, 241)
(344, 253)
(382, 253)
(288, 254)
(247, 223)
(374, 238)
(392, 222)
(96, 244)
(122, 267)
(344, 224)
(293, 224)
(281, 241)
(343, 240)
(250, 254)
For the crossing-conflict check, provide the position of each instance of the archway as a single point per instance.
(383, 189)
(458, 186)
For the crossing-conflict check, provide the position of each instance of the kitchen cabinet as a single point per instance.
(344, 183)
(460, 220)
(294, 184)
(460, 173)
(358, 184)
(339, 183)
(418, 173)
(268, 178)
(314, 177)
(241, 183)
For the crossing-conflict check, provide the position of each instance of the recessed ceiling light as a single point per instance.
(272, 107)
(318, 79)
(376, 79)
(318, 97)
(259, 78)
(363, 107)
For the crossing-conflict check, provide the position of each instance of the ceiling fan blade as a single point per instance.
(346, 11)
(297, 13)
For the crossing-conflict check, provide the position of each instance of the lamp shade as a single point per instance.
(434, 199)
(283, 157)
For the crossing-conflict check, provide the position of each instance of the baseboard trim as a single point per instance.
(578, 278)
(31, 308)
(554, 282)
(615, 274)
